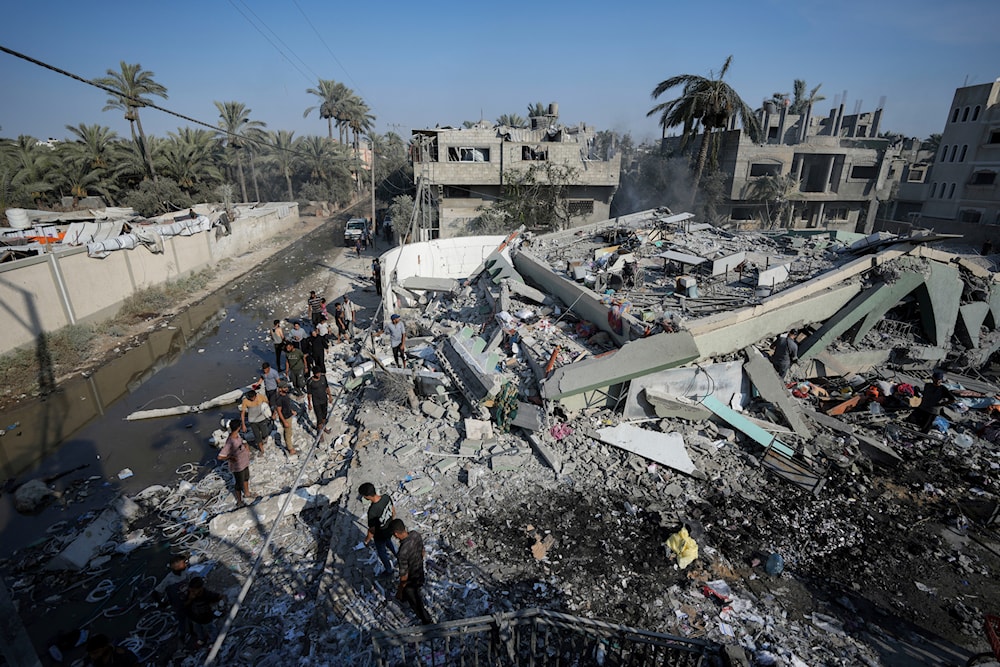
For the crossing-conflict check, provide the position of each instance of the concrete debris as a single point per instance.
(570, 381)
(32, 495)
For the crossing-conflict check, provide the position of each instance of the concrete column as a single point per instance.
(781, 124)
(829, 173)
(57, 276)
(819, 215)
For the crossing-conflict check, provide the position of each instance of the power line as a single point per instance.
(329, 50)
(290, 50)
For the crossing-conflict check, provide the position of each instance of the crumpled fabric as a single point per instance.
(684, 547)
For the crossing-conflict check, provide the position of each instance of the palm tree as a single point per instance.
(132, 86)
(538, 109)
(281, 154)
(512, 120)
(190, 157)
(357, 117)
(94, 144)
(708, 103)
(800, 100)
(234, 121)
(776, 193)
(331, 94)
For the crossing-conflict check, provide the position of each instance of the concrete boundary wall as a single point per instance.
(45, 293)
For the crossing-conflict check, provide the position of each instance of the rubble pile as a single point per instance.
(563, 423)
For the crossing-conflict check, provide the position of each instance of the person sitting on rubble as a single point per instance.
(786, 353)
(932, 398)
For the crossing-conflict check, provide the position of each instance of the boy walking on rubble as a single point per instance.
(381, 513)
(237, 454)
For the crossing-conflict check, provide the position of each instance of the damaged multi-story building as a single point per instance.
(464, 169)
(837, 168)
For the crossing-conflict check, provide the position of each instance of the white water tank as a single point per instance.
(18, 218)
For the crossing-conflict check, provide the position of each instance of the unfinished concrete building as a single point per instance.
(837, 167)
(464, 168)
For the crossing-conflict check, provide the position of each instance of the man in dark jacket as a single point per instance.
(410, 557)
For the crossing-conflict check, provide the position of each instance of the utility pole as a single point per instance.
(372, 166)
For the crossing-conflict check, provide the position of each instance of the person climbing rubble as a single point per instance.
(411, 557)
(237, 454)
(286, 413)
(172, 590)
(786, 353)
(933, 397)
(295, 367)
(255, 409)
(381, 513)
(319, 397)
(199, 609)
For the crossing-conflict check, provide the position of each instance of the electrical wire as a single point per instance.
(271, 42)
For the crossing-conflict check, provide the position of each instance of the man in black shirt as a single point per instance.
(314, 347)
(933, 396)
(381, 513)
(318, 393)
(411, 568)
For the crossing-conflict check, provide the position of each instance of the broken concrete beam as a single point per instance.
(874, 302)
(664, 448)
(528, 292)
(427, 284)
(723, 379)
(470, 447)
(827, 363)
(637, 358)
(875, 450)
(529, 417)
(728, 263)
(772, 389)
(773, 275)
(546, 453)
(474, 373)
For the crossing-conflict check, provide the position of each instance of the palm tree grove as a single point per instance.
(155, 174)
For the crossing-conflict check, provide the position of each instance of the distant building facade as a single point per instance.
(836, 168)
(963, 182)
(464, 168)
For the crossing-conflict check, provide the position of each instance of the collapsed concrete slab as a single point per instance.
(108, 523)
(971, 317)
(472, 369)
(656, 394)
(664, 448)
(939, 302)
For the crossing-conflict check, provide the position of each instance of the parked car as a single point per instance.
(354, 230)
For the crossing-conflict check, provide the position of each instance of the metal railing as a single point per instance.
(537, 638)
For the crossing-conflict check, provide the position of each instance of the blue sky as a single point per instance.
(421, 64)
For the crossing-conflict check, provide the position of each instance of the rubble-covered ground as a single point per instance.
(890, 563)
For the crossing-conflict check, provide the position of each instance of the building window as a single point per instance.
(954, 151)
(965, 114)
(970, 215)
(944, 153)
(961, 156)
(536, 153)
(864, 171)
(836, 213)
(453, 192)
(862, 131)
(994, 137)
(764, 169)
(916, 175)
(975, 112)
(772, 133)
(983, 178)
(578, 207)
(954, 116)
(951, 191)
(933, 189)
(461, 154)
(741, 213)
